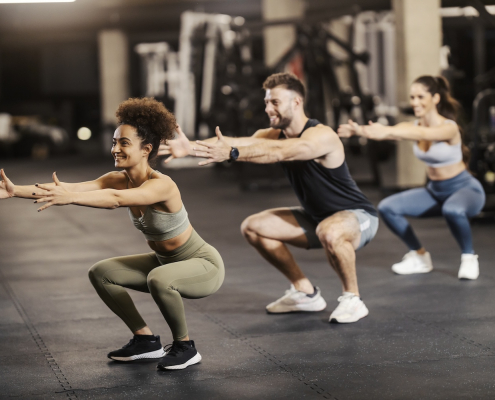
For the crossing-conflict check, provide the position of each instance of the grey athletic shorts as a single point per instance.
(367, 222)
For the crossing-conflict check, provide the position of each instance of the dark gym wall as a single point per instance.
(459, 35)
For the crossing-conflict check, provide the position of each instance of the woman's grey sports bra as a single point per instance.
(160, 225)
(440, 154)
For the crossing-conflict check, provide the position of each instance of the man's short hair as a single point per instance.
(290, 81)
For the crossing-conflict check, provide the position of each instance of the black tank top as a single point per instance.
(324, 191)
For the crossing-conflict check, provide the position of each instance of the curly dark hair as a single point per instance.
(153, 122)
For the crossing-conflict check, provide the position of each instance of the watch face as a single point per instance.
(234, 153)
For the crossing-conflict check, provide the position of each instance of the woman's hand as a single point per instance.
(6, 186)
(52, 196)
(376, 131)
(177, 148)
(350, 129)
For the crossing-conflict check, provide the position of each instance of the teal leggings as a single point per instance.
(192, 271)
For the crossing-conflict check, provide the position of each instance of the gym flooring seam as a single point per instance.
(270, 357)
(59, 375)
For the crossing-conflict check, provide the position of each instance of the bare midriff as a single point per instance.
(447, 172)
(171, 244)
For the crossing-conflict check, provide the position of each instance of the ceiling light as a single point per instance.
(84, 133)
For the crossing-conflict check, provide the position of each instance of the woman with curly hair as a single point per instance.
(181, 263)
(451, 191)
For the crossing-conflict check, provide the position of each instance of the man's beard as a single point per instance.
(283, 123)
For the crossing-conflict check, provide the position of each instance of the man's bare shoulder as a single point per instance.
(326, 138)
(320, 130)
(267, 133)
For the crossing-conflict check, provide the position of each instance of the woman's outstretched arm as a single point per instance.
(402, 131)
(150, 192)
(109, 180)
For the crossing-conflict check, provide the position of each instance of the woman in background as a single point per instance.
(451, 190)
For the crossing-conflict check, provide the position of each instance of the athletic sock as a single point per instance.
(312, 294)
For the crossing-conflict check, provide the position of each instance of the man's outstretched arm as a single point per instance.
(314, 143)
(181, 146)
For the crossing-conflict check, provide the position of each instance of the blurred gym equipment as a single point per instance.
(216, 76)
(482, 146)
(28, 137)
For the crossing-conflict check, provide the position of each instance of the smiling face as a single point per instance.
(280, 105)
(127, 149)
(422, 100)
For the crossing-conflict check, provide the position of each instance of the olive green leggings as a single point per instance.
(192, 271)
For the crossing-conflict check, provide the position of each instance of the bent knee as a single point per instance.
(97, 271)
(330, 237)
(251, 226)
(453, 212)
(245, 226)
(385, 207)
(157, 281)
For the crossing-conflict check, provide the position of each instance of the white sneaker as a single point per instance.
(294, 301)
(470, 268)
(350, 309)
(413, 263)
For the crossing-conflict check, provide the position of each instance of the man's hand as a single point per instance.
(349, 129)
(53, 196)
(213, 152)
(177, 148)
(6, 186)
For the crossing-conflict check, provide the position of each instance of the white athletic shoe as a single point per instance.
(350, 309)
(470, 268)
(294, 301)
(413, 263)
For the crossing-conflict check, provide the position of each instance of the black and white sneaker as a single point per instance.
(180, 355)
(139, 347)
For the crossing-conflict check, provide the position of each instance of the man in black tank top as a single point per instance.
(334, 215)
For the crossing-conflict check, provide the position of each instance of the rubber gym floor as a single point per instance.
(427, 337)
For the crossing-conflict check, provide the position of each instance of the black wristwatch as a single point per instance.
(234, 154)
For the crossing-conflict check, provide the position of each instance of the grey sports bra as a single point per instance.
(160, 225)
(440, 154)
